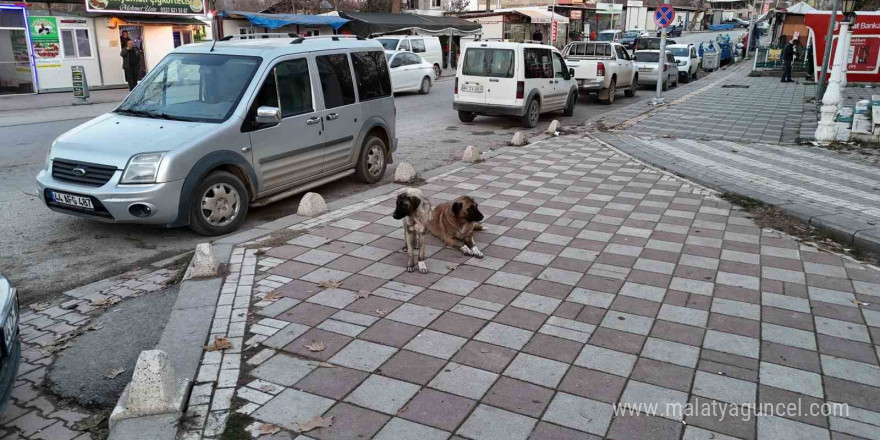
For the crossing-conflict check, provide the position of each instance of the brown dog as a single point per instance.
(455, 222)
(414, 209)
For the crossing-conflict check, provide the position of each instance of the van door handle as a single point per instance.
(313, 121)
(493, 80)
(332, 116)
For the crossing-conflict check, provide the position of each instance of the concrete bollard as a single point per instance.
(311, 205)
(203, 264)
(404, 173)
(153, 390)
(471, 154)
(554, 127)
(520, 138)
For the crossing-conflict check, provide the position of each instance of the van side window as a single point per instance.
(335, 73)
(373, 80)
(418, 46)
(621, 53)
(538, 63)
(294, 87)
(404, 45)
(559, 67)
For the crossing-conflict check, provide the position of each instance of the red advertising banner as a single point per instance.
(863, 56)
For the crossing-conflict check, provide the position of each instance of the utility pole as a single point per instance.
(820, 86)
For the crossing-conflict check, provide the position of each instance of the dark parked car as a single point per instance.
(671, 31)
(630, 40)
(652, 43)
(10, 352)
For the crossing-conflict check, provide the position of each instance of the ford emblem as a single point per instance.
(79, 171)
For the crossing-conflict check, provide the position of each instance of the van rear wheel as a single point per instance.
(426, 86)
(371, 165)
(466, 116)
(530, 118)
(437, 71)
(219, 204)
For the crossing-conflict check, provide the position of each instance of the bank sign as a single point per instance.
(161, 7)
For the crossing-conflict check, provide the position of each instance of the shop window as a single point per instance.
(247, 32)
(76, 43)
(435, 3)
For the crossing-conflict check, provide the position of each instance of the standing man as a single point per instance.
(131, 64)
(788, 54)
(538, 36)
(123, 40)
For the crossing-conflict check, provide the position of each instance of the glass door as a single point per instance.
(16, 60)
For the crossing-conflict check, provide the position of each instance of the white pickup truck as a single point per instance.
(601, 68)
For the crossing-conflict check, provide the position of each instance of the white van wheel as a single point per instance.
(220, 204)
(426, 86)
(437, 71)
(530, 118)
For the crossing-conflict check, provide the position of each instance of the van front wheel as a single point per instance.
(371, 165)
(219, 204)
(466, 116)
(529, 119)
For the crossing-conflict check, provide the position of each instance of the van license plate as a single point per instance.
(472, 88)
(646, 69)
(68, 199)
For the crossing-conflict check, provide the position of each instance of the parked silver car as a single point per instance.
(10, 351)
(218, 127)
(647, 65)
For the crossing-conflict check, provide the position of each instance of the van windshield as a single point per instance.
(495, 63)
(606, 36)
(192, 87)
(388, 43)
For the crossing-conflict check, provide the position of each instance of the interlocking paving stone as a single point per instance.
(605, 281)
(292, 407)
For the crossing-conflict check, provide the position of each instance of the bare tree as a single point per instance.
(376, 5)
(457, 5)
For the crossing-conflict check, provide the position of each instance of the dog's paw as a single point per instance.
(466, 250)
(410, 268)
(477, 252)
(423, 268)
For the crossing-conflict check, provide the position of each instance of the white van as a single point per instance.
(427, 47)
(513, 79)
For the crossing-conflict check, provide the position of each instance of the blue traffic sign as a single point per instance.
(664, 15)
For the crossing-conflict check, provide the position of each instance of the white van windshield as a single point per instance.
(192, 87)
(495, 63)
(388, 43)
(606, 36)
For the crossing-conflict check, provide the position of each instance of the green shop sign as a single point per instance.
(166, 7)
(43, 29)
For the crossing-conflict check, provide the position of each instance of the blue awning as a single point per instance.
(275, 21)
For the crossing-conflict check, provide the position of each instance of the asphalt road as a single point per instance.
(45, 253)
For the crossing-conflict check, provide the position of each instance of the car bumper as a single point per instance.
(646, 78)
(485, 109)
(112, 201)
(9, 371)
(587, 85)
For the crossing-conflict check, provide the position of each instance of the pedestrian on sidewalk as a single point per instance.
(131, 64)
(788, 55)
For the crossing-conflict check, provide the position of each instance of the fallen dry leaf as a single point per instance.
(316, 422)
(267, 429)
(330, 284)
(452, 266)
(113, 373)
(106, 302)
(322, 365)
(272, 296)
(220, 343)
(39, 307)
(381, 312)
(363, 294)
(860, 303)
(316, 346)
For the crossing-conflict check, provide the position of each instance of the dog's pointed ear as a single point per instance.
(415, 202)
(456, 208)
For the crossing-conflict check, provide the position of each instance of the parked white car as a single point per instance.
(426, 47)
(687, 60)
(513, 79)
(647, 64)
(611, 35)
(409, 72)
(601, 68)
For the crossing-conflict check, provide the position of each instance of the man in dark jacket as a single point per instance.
(131, 63)
(788, 54)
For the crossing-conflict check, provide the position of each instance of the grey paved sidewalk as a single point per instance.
(753, 110)
(605, 282)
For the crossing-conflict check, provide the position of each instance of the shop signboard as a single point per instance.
(635, 4)
(863, 54)
(80, 84)
(555, 33)
(161, 7)
(46, 45)
(575, 14)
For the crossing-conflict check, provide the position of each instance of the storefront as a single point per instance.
(39, 47)
(520, 24)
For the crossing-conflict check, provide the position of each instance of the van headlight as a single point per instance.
(142, 168)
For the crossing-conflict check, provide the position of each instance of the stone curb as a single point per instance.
(851, 232)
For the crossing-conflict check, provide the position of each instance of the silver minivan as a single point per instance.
(218, 127)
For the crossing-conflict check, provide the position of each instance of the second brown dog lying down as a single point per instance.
(455, 222)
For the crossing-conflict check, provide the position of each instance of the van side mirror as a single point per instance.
(571, 71)
(268, 115)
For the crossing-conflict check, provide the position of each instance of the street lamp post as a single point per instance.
(826, 132)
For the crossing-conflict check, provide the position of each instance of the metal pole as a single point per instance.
(661, 63)
(820, 83)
